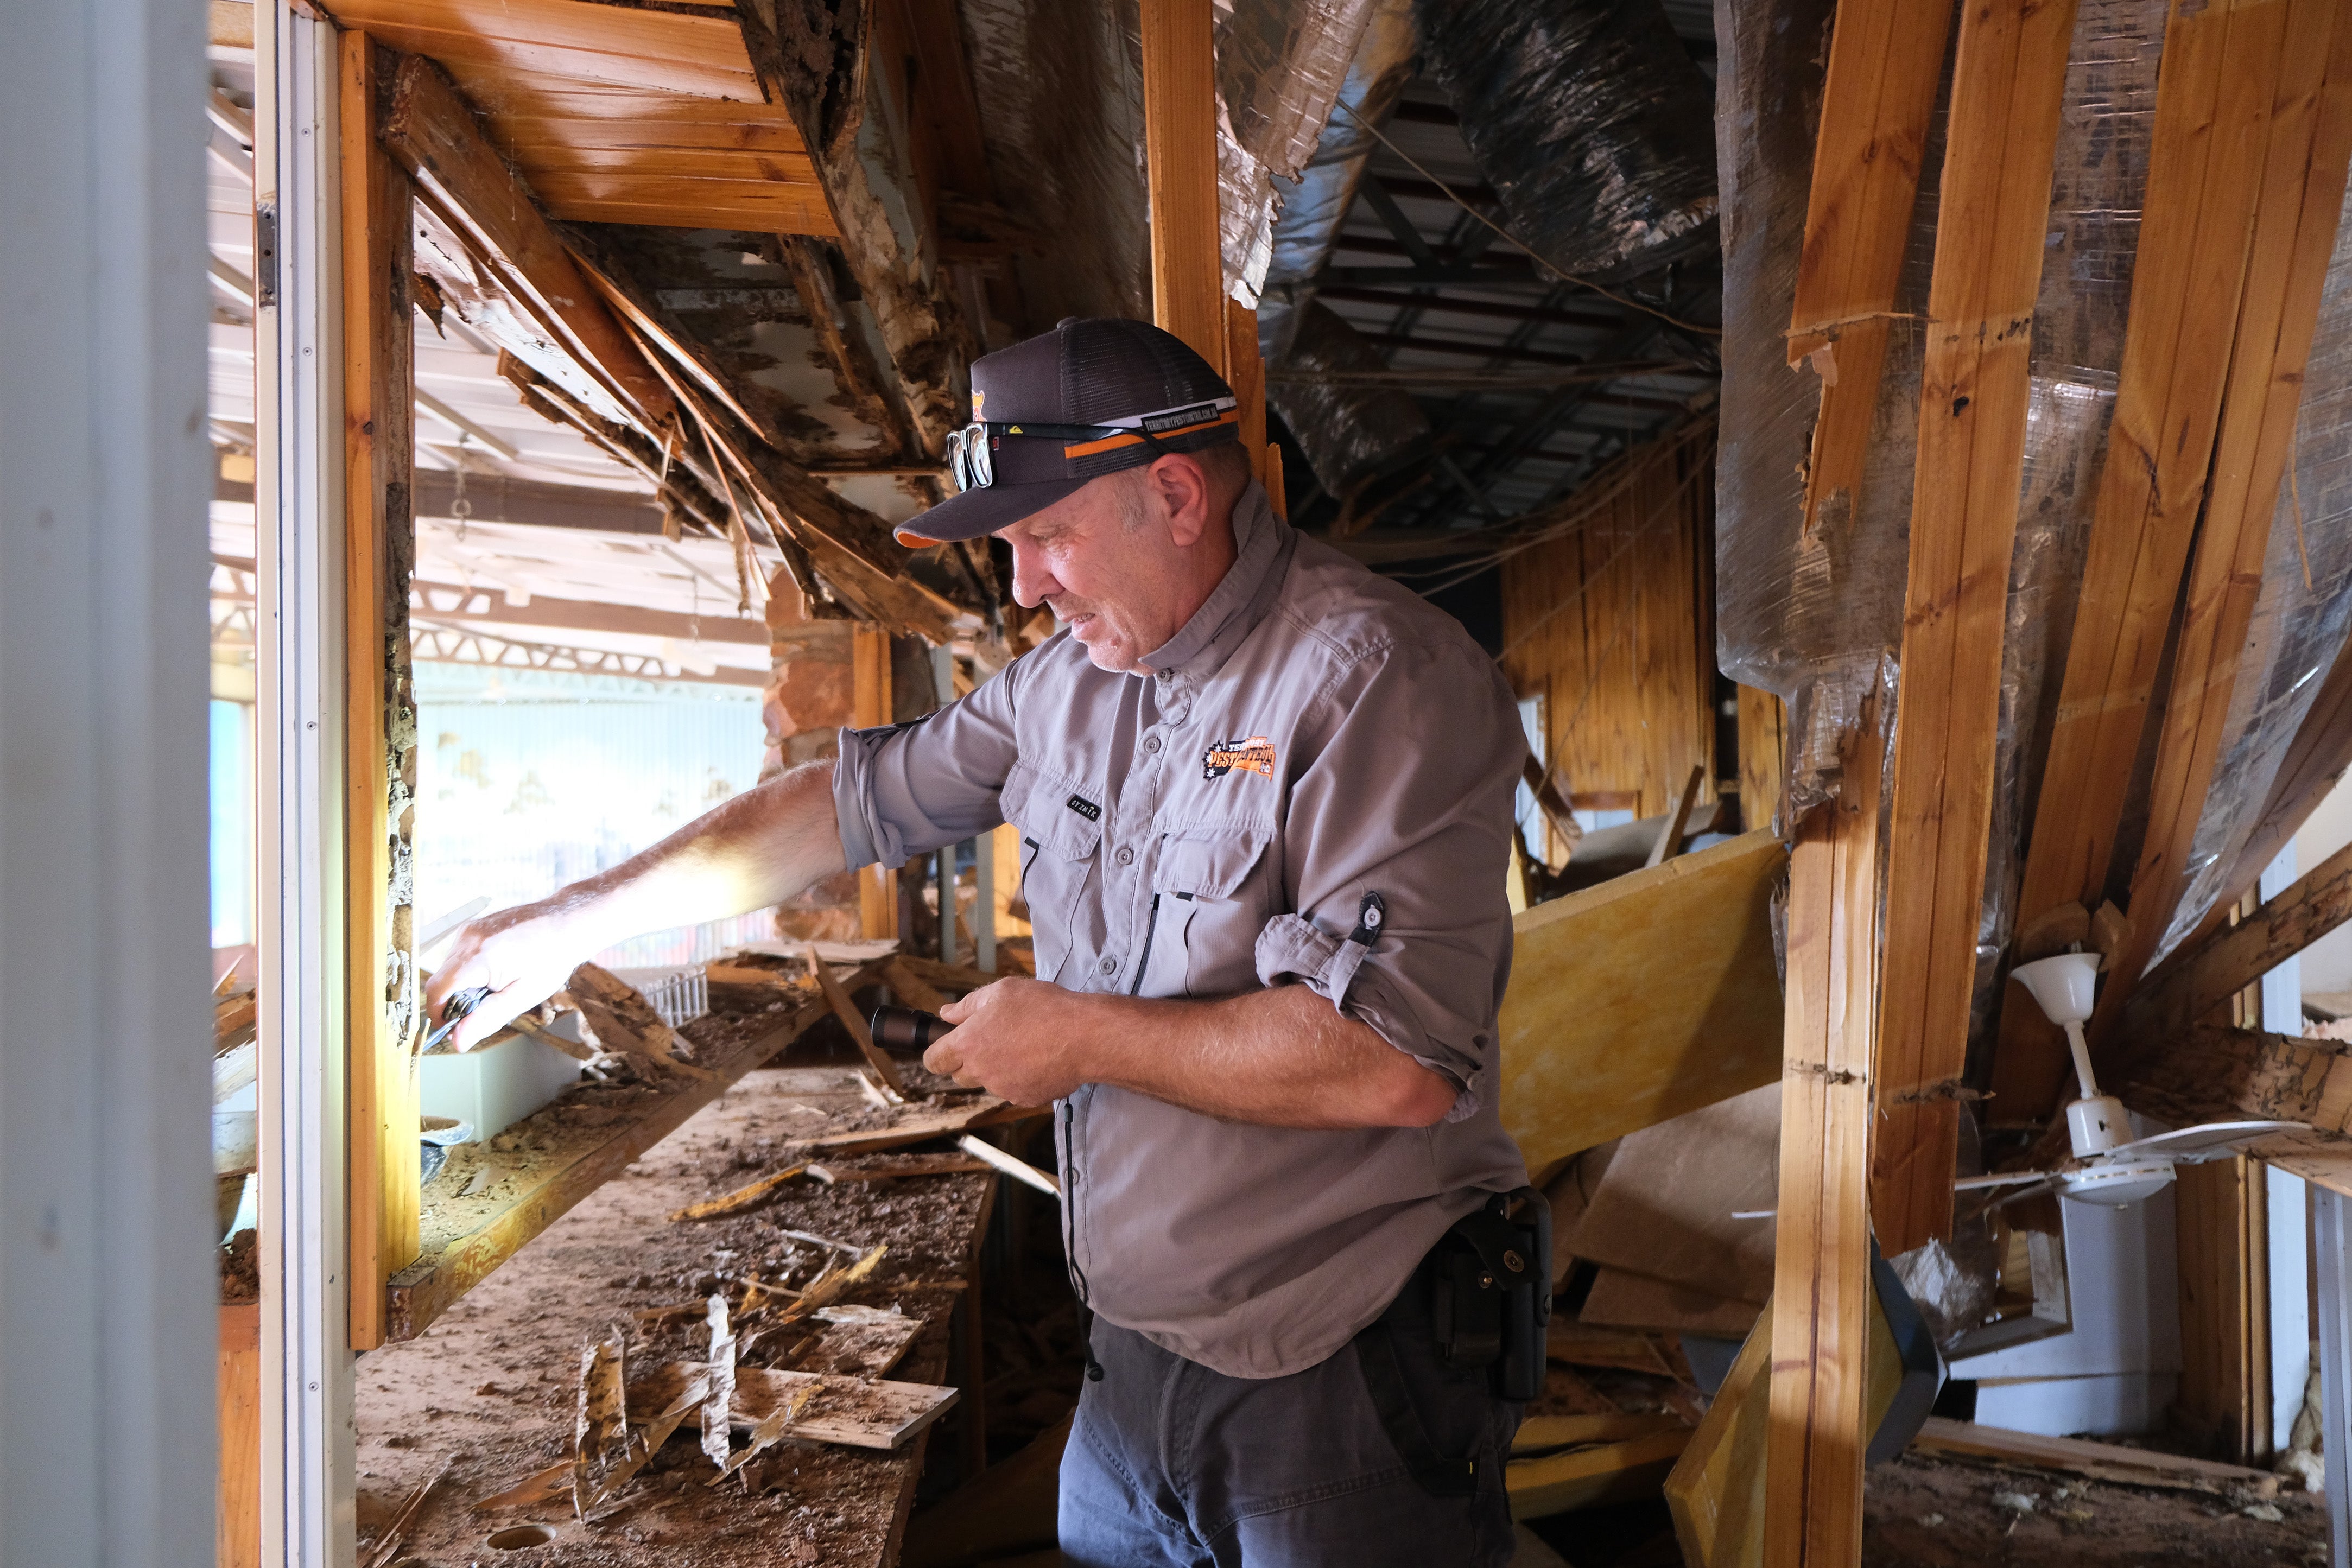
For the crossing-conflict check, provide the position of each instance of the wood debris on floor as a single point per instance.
(837, 1297)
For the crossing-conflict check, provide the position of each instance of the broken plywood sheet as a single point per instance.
(846, 1410)
(1663, 1202)
(1645, 997)
(920, 1122)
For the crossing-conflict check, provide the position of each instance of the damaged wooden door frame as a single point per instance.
(308, 1465)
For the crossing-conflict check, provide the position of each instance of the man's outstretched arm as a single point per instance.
(759, 848)
(1280, 1058)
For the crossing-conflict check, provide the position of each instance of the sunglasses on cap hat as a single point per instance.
(970, 451)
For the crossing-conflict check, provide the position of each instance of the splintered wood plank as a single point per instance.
(2202, 975)
(1886, 58)
(850, 1411)
(1179, 142)
(920, 1123)
(2100, 1461)
(433, 134)
(2292, 234)
(379, 397)
(1652, 994)
(1763, 749)
(2216, 94)
(1822, 1298)
(2008, 82)
(576, 40)
(423, 1292)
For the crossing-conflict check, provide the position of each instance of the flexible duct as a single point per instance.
(1316, 202)
(1588, 120)
(1353, 434)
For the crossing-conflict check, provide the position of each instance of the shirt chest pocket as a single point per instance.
(1212, 898)
(1059, 847)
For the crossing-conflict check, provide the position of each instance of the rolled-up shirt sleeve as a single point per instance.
(1408, 796)
(907, 788)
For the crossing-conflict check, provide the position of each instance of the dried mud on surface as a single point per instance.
(490, 1386)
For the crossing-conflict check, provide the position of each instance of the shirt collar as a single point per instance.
(1262, 549)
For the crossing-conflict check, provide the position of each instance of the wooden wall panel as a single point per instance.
(1612, 622)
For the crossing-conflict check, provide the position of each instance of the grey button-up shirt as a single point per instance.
(1314, 734)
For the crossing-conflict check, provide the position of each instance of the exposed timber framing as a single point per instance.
(1885, 59)
(2209, 194)
(435, 136)
(2008, 82)
(2200, 977)
(378, 732)
(1822, 1296)
(819, 59)
(1179, 147)
(2292, 234)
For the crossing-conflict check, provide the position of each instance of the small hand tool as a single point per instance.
(455, 1012)
(907, 1029)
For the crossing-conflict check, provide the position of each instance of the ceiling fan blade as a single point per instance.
(2193, 1145)
(1999, 1178)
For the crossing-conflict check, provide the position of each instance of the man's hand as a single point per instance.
(523, 955)
(1019, 1038)
(1282, 1058)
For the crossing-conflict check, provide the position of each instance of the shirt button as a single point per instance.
(1126, 857)
(1152, 743)
(1110, 965)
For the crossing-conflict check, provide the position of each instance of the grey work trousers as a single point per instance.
(1172, 1464)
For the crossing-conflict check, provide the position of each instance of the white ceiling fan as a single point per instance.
(2107, 1169)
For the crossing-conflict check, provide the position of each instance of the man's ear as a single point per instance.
(1182, 485)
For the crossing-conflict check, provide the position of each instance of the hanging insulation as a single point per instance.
(1589, 118)
(1316, 204)
(1352, 434)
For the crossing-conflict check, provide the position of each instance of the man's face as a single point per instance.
(1117, 561)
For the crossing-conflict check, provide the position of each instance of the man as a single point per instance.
(1265, 805)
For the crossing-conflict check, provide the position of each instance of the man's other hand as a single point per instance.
(523, 955)
(1018, 1039)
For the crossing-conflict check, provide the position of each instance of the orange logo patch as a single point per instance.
(1255, 754)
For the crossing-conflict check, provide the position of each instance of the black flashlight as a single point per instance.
(907, 1029)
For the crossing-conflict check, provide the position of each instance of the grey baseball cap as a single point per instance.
(1091, 397)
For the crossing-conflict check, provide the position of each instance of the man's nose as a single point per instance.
(1032, 582)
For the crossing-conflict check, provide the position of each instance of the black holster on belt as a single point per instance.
(1490, 1282)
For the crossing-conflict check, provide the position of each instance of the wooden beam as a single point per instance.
(2202, 976)
(869, 708)
(2207, 189)
(1180, 161)
(2212, 1072)
(859, 379)
(1821, 1294)
(489, 607)
(2316, 761)
(238, 1531)
(1886, 58)
(1763, 750)
(2008, 82)
(1629, 1003)
(2221, 1226)
(2099, 1461)
(851, 78)
(435, 136)
(2290, 240)
(381, 997)
(1670, 835)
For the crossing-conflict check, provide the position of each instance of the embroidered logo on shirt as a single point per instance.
(1255, 754)
(1084, 808)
